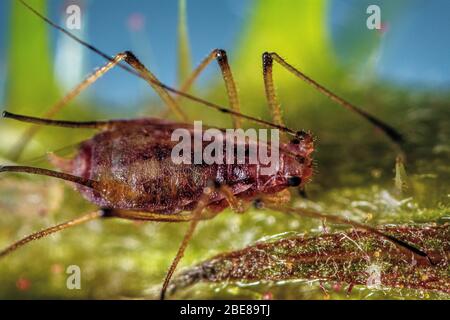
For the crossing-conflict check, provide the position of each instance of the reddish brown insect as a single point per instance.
(127, 171)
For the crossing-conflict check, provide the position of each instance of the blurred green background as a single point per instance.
(400, 74)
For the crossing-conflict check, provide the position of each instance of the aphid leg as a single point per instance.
(43, 233)
(157, 83)
(221, 57)
(197, 213)
(151, 79)
(271, 95)
(236, 204)
(392, 134)
(276, 199)
(401, 245)
(148, 216)
(128, 57)
(17, 150)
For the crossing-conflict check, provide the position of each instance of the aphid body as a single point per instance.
(132, 161)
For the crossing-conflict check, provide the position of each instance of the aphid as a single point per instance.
(126, 169)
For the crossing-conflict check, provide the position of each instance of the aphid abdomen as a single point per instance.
(135, 166)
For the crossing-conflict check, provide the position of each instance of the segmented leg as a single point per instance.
(41, 234)
(128, 57)
(157, 217)
(221, 57)
(274, 105)
(235, 203)
(133, 61)
(167, 88)
(276, 199)
(104, 213)
(197, 213)
(268, 59)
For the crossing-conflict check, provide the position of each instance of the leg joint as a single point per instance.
(220, 55)
(132, 60)
(107, 213)
(267, 61)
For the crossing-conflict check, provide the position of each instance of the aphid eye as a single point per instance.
(294, 181)
(301, 135)
(295, 141)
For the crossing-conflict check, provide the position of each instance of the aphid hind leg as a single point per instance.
(222, 60)
(389, 131)
(46, 232)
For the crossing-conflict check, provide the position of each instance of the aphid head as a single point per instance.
(302, 145)
(298, 163)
